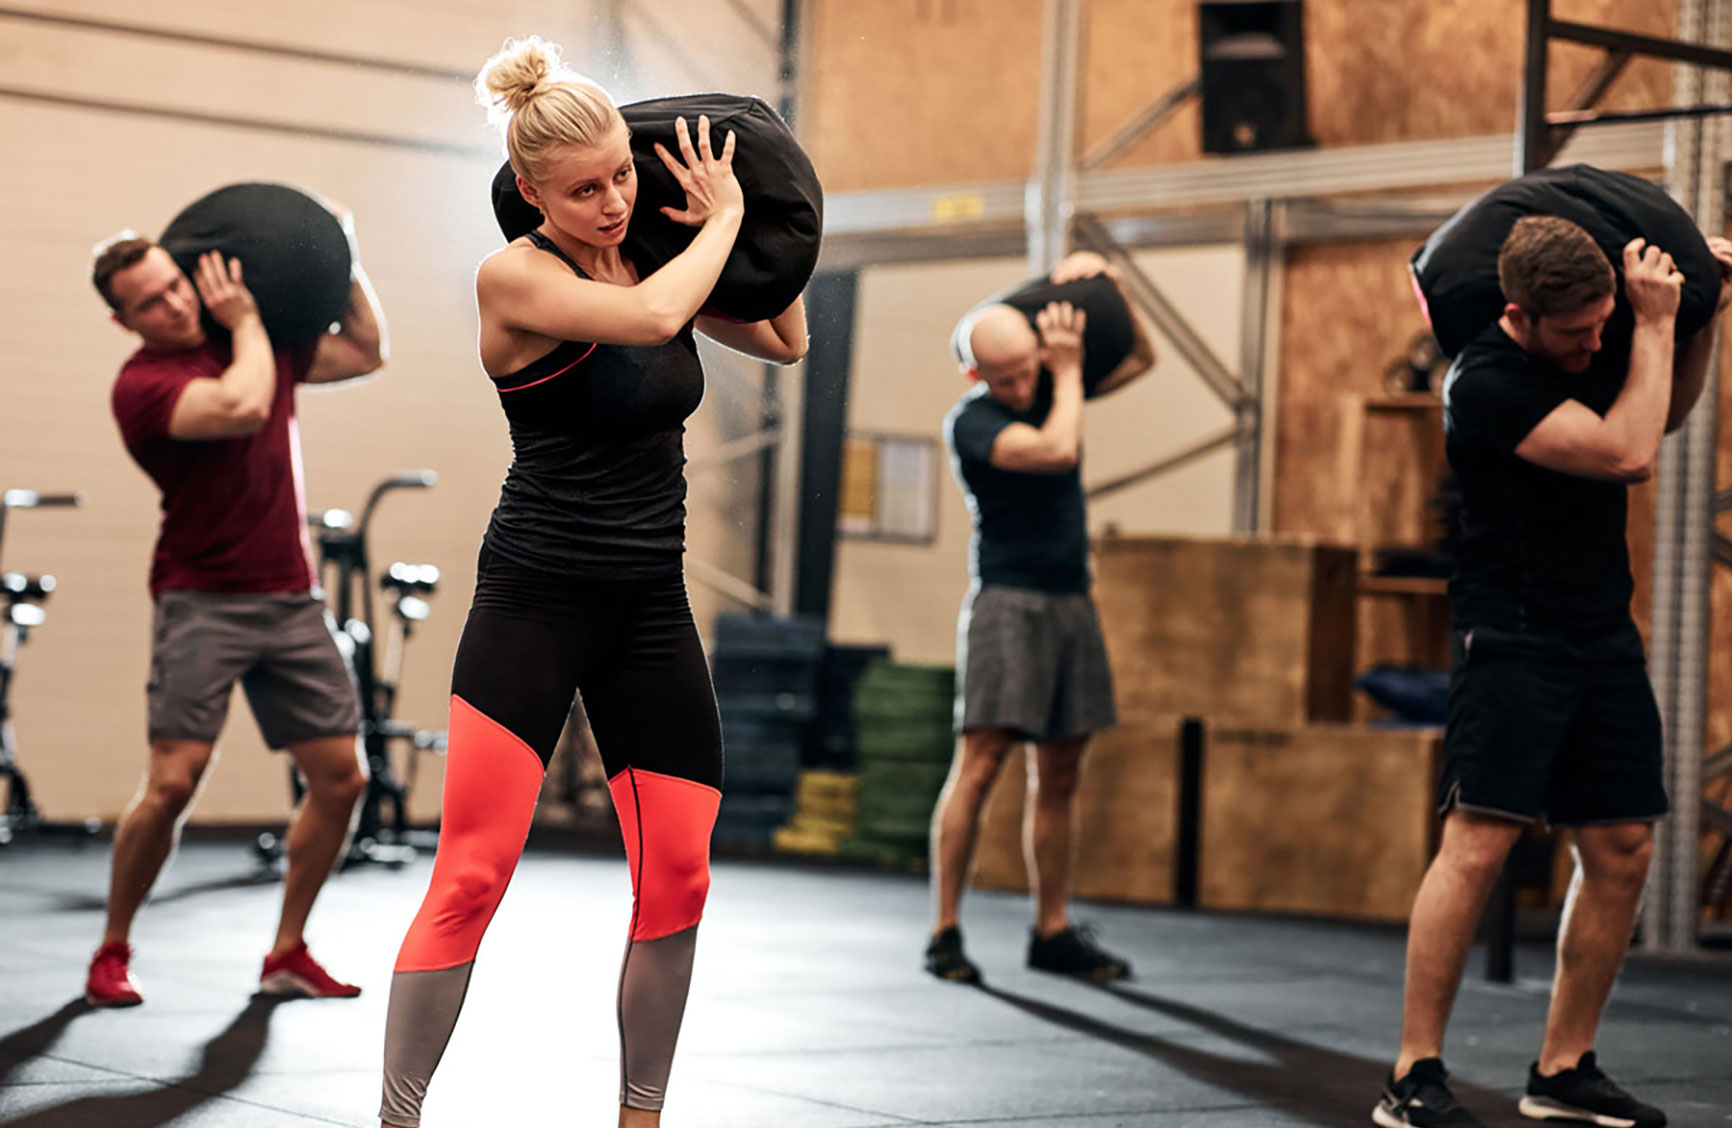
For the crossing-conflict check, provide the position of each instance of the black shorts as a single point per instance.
(1543, 728)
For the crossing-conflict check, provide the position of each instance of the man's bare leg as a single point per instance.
(1049, 830)
(335, 779)
(1440, 931)
(1599, 918)
(149, 828)
(956, 821)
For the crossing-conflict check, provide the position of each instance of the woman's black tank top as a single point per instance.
(597, 481)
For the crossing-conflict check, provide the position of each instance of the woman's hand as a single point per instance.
(709, 182)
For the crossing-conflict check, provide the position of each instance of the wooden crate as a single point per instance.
(1127, 816)
(1332, 820)
(1259, 629)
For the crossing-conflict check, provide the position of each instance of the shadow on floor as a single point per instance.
(89, 903)
(18, 1047)
(1317, 1084)
(226, 1061)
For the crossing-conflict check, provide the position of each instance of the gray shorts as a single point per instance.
(280, 647)
(1034, 663)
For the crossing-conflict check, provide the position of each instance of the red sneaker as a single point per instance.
(110, 982)
(299, 974)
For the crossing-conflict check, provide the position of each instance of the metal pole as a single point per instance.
(1050, 196)
(1149, 298)
(1138, 127)
(1532, 132)
(774, 502)
(1260, 253)
(1682, 535)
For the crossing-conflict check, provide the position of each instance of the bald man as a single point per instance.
(1031, 664)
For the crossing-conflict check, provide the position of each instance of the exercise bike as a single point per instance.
(344, 561)
(23, 595)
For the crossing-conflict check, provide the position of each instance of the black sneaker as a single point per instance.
(944, 958)
(1422, 1099)
(1073, 951)
(1586, 1095)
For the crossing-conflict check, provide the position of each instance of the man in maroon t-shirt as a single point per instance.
(213, 424)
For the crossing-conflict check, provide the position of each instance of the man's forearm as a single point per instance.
(1690, 374)
(1063, 426)
(1638, 417)
(363, 322)
(250, 380)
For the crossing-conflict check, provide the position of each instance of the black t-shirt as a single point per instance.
(1541, 552)
(1030, 530)
(597, 480)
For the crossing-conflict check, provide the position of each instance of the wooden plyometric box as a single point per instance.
(1126, 817)
(1330, 820)
(1255, 628)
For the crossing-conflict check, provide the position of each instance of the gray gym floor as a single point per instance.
(808, 1011)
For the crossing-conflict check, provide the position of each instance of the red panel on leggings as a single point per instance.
(492, 780)
(666, 822)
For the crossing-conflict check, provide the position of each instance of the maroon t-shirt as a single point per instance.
(233, 514)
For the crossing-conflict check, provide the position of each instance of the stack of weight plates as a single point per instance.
(766, 677)
(903, 743)
(830, 742)
(823, 813)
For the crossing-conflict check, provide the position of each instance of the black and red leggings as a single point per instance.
(532, 640)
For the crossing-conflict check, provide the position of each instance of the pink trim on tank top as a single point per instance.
(545, 379)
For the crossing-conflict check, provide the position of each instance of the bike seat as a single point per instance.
(21, 587)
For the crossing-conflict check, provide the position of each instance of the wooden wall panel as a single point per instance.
(1126, 817)
(1138, 50)
(927, 92)
(1401, 70)
(1258, 629)
(904, 92)
(1347, 311)
(1287, 826)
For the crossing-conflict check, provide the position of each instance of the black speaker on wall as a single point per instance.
(1253, 75)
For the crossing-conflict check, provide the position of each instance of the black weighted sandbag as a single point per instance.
(1455, 271)
(1109, 333)
(293, 252)
(777, 248)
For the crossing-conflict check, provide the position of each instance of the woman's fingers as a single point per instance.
(684, 137)
(674, 166)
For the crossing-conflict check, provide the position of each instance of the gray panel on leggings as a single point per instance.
(418, 1024)
(652, 999)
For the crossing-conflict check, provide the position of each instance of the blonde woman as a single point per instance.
(580, 587)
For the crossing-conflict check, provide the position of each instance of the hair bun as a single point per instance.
(522, 69)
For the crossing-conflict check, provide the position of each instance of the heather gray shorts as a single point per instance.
(280, 647)
(1034, 663)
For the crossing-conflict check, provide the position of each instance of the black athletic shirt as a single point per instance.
(1030, 529)
(1541, 552)
(597, 482)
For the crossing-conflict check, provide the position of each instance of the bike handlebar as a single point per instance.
(30, 499)
(406, 480)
